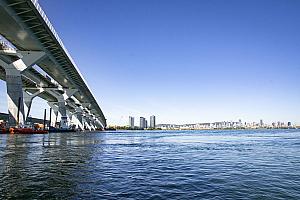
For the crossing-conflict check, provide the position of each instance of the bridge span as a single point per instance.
(34, 62)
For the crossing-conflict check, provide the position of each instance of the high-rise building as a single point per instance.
(261, 123)
(278, 124)
(131, 122)
(146, 123)
(142, 122)
(152, 121)
(240, 123)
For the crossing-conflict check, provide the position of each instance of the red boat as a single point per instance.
(24, 131)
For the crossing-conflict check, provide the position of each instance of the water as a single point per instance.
(263, 164)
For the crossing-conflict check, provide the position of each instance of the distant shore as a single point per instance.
(176, 129)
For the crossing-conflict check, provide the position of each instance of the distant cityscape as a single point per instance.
(143, 124)
(226, 125)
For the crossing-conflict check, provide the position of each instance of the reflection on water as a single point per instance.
(152, 165)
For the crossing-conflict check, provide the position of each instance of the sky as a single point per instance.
(184, 61)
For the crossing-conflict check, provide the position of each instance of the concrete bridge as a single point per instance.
(34, 62)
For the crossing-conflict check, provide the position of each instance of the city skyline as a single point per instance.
(142, 124)
(184, 61)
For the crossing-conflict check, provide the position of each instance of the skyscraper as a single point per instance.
(152, 121)
(142, 122)
(131, 122)
(240, 122)
(261, 123)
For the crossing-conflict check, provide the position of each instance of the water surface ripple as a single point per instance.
(257, 164)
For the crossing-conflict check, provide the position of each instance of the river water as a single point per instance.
(257, 164)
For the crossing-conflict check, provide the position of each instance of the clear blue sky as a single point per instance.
(186, 61)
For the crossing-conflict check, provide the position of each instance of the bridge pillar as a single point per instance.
(98, 124)
(79, 121)
(61, 102)
(78, 118)
(20, 60)
(28, 101)
(95, 123)
(92, 125)
(86, 122)
(89, 119)
(63, 112)
(55, 111)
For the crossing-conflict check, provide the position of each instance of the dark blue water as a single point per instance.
(215, 165)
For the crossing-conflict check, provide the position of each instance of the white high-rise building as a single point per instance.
(142, 122)
(152, 121)
(131, 122)
(261, 123)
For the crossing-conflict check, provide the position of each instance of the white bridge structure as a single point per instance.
(34, 62)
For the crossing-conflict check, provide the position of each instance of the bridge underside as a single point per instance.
(34, 62)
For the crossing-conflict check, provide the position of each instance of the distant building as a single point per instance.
(278, 124)
(289, 124)
(168, 126)
(152, 121)
(261, 123)
(146, 123)
(142, 122)
(131, 122)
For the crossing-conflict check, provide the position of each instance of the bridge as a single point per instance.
(34, 62)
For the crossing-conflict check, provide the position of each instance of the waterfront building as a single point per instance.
(278, 124)
(261, 123)
(240, 123)
(142, 122)
(168, 126)
(146, 123)
(152, 121)
(131, 122)
(289, 124)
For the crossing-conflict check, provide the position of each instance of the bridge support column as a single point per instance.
(89, 119)
(92, 125)
(78, 118)
(14, 84)
(93, 122)
(28, 101)
(79, 121)
(63, 112)
(61, 102)
(55, 111)
(86, 122)
(98, 124)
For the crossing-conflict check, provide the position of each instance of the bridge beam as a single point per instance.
(20, 61)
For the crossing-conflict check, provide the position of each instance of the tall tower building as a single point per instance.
(142, 122)
(152, 121)
(261, 123)
(131, 122)
(240, 123)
